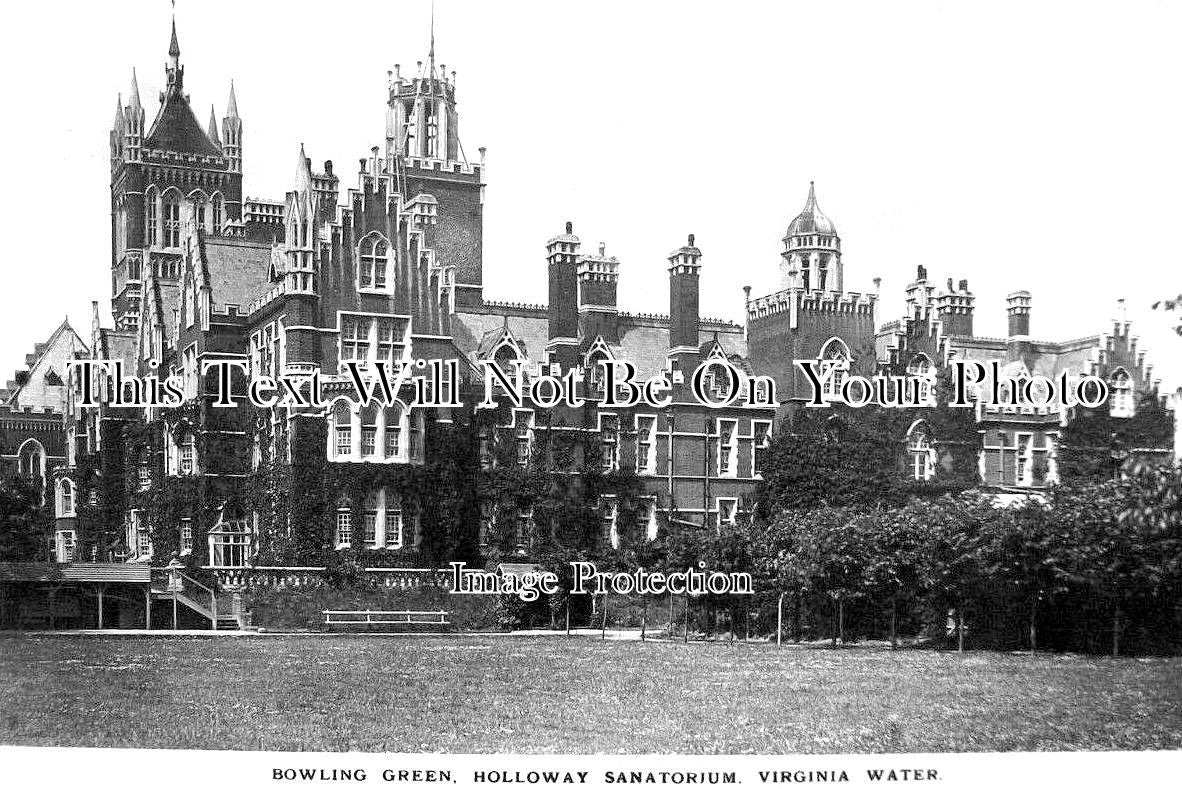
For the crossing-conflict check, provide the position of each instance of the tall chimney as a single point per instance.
(1018, 312)
(684, 321)
(562, 255)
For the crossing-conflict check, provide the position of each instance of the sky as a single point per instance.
(1016, 145)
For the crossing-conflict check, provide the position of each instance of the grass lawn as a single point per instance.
(485, 694)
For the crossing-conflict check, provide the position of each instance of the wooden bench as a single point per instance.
(386, 617)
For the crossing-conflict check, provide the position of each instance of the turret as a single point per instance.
(811, 256)
(232, 133)
(300, 234)
(133, 126)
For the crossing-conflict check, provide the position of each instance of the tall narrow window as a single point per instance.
(609, 441)
(523, 434)
(728, 465)
(218, 208)
(172, 220)
(344, 528)
(343, 426)
(370, 521)
(646, 435)
(608, 514)
(525, 528)
(393, 521)
(416, 421)
(393, 437)
(921, 456)
(487, 447)
(65, 498)
(189, 454)
(151, 217)
(1022, 467)
(761, 439)
(369, 431)
(186, 535)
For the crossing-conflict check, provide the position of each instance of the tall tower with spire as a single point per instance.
(156, 171)
(424, 151)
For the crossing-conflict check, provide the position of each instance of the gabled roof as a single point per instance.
(14, 386)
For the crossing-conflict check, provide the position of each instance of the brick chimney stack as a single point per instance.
(1018, 312)
(598, 277)
(685, 264)
(562, 255)
(955, 310)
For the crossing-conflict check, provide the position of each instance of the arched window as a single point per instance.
(369, 430)
(921, 368)
(31, 460)
(197, 198)
(65, 499)
(151, 217)
(171, 205)
(374, 252)
(1120, 393)
(229, 543)
(218, 213)
(392, 441)
(920, 454)
(835, 365)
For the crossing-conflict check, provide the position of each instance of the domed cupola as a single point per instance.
(811, 257)
(811, 221)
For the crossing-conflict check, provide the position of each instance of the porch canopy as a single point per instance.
(45, 594)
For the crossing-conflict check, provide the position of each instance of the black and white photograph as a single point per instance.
(406, 392)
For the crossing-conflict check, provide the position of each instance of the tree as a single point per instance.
(25, 524)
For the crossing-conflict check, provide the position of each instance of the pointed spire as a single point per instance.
(174, 49)
(133, 100)
(812, 201)
(232, 104)
(213, 128)
(431, 54)
(303, 179)
(118, 124)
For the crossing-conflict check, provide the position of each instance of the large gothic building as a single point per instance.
(388, 268)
